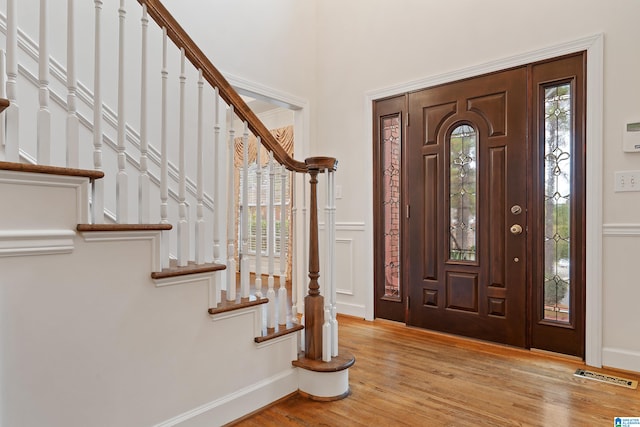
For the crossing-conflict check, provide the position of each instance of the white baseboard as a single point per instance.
(621, 359)
(233, 406)
(355, 310)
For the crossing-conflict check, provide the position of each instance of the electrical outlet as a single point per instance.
(627, 181)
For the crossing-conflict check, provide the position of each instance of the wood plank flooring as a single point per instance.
(410, 377)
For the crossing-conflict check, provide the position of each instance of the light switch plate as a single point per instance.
(627, 181)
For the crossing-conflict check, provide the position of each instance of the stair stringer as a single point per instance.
(87, 338)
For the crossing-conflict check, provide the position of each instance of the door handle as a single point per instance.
(516, 229)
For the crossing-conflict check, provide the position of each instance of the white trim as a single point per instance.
(346, 226)
(186, 279)
(154, 236)
(621, 230)
(594, 45)
(79, 183)
(355, 310)
(265, 93)
(36, 242)
(621, 359)
(241, 402)
(350, 261)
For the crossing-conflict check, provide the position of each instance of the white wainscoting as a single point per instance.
(351, 252)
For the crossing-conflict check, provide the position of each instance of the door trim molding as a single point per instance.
(594, 46)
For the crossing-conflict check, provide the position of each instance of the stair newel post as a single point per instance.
(97, 196)
(72, 123)
(143, 178)
(271, 293)
(12, 143)
(122, 180)
(282, 290)
(258, 269)
(231, 214)
(164, 161)
(43, 120)
(245, 286)
(313, 302)
(200, 223)
(183, 223)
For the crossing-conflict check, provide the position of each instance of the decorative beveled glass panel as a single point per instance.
(462, 193)
(557, 202)
(390, 128)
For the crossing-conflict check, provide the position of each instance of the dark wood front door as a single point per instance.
(466, 207)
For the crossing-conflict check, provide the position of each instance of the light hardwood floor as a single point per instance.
(410, 377)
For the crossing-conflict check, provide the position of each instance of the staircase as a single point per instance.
(120, 301)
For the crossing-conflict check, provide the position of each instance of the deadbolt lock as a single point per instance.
(516, 229)
(516, 209)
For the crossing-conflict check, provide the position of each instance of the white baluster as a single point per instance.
(231, 214)
(143, 178)
(183, 222)
(282, 291)
(244, 261)
(294, 250)
(271, 293)
(331, 261)
(258, 269)
(217, 179)
(200, 224)
(72, 123)
(326, 326)
(122, 180)
(164, 162)
(44, 115)
(12, 144)
(98, 184)
(3, 94)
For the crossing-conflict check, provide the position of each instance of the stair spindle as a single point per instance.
(143, 178)
(245, 285)
(200, 223)
(282, 290)
(217, 179)
(3, 94)
(12, 144)
(331, 260)
(164, 161)
(72, 122)
(97, 196)
(231, 260)
(122, 180)
(183, 222)
(271, 293)
(294, 250)
(43, 118)
(258, 267)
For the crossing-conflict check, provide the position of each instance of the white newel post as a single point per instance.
(231, 215)
(122, 184)
(245, 285)
(271, 293)
(282, 290)
(164, 161)
(97, 196)
(12, 144)
(72, 123)
(143, 178)
(44, 115)
(200, 223)
(258, 269)
(183, 222)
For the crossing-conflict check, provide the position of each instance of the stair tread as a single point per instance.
(225, 306)
(51, 170)
(278, 331)
(191, 268)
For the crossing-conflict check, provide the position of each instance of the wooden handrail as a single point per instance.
(179, 36)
